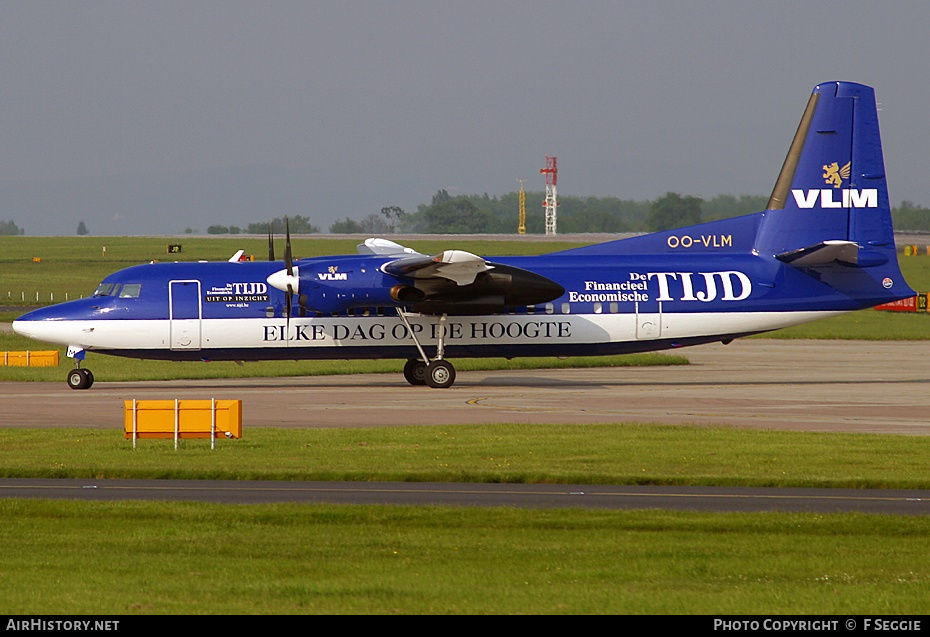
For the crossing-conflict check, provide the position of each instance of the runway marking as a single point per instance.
(485, 401)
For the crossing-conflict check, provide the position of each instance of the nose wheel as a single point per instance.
(80, 378)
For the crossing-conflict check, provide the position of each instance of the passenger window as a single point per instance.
(131, 291)
(566, 308)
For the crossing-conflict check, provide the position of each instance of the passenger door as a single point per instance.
(185, 313)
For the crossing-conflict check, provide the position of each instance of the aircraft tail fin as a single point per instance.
(832, 185)
(829, 209)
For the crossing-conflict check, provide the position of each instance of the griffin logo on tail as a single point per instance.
(834, 175)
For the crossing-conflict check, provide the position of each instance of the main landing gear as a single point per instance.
(438, 373)
(80, 378)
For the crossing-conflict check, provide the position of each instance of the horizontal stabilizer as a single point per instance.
(824, 253)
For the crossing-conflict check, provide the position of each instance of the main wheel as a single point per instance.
(415, 372)
(80, 378)
(440, 374)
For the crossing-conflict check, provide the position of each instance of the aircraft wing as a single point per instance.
(454, 265)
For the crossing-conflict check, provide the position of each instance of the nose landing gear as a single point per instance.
(80, 378)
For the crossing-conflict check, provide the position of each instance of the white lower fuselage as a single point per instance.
(388, 337)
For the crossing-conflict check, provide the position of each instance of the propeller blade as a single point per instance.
(288, 258)
(287, 279)
(289, 265)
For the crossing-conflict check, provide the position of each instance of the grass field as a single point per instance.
(135, 558)
(617, 453)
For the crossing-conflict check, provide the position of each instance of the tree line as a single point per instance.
(296, 224)
(10, 229)
(483, 214)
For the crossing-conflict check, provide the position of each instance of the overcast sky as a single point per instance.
(376, 103)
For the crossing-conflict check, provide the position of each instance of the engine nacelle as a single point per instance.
(335, 285)
(330, 287)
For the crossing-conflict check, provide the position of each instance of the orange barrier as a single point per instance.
(182, 419)
(43, 358)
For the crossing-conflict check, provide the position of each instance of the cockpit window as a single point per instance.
(106, 289)
(130, 291)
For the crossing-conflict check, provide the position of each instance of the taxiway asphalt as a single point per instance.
(838, 386)
(852, 386)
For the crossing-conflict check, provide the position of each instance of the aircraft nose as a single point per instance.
(24, 324)
(47, 324)
(19, 327)
(28, 328)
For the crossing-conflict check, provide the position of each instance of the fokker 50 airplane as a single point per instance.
(823, 246)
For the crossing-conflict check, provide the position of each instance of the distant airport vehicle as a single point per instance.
(823, 246)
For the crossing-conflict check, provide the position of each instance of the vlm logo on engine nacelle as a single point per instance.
(332, 274)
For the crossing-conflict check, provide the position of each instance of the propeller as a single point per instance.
(289, 267)
(270, 244)
(288, 279)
